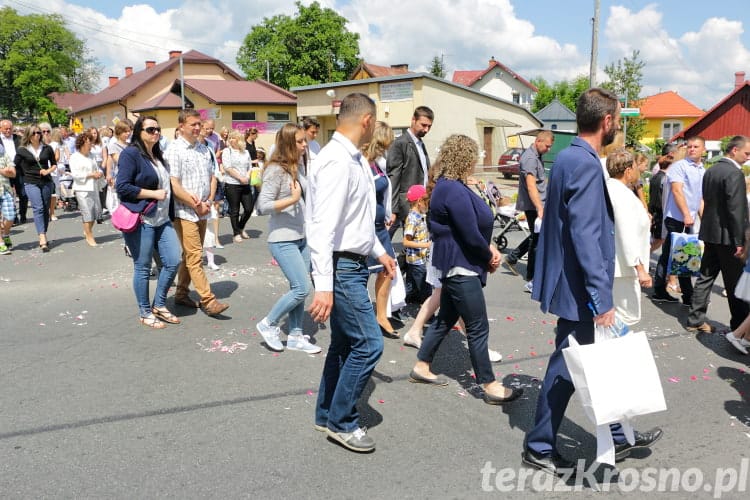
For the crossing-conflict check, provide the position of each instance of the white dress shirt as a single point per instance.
(340, 208)
(9, 145)
(421, 153)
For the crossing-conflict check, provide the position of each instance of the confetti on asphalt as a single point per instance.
(693, 378)
(674, 380)
(219, 346)
(310, 393)
(381, 401)
(510, 318)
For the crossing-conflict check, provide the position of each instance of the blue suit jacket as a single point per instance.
(135, 172)
(576, 251)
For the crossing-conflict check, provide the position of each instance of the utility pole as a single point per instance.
(182, 84)
(594, 44)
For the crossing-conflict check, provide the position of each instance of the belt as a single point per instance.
(351, 256)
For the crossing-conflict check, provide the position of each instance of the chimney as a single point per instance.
(739, 79)
(150, 64)
(400, 67)
(492, 61)
(128, 71)
(174, 53)
(113, 81)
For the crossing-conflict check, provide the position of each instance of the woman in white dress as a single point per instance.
(632, 232)
(86, 175)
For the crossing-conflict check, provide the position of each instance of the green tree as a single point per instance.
(38, 55)
(312, 47)
(566, 91)
(437, 68)
(625, 77)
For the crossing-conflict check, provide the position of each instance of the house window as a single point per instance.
(554, 126)
(243, 116)
(516, 98)
(278, 116)
(669, 129)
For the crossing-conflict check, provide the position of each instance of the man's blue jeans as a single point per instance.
(294, 260)
(356, 347)
(142, 242)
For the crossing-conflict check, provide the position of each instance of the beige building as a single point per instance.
(210, 86)
(458, 109)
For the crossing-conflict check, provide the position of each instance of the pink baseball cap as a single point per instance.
(415, 192)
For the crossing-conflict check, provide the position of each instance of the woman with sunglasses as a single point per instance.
(143, 186)
(86, 175)
(37, 162)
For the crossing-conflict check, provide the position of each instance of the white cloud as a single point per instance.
(700, 65)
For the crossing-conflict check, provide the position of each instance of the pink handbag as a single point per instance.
(126, 221)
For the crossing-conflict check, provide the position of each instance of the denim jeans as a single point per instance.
(142, 242)
(417, 288)
(356, 347)
(462, 296)
(39, 195)
(294, 260)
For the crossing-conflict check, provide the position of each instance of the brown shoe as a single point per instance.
(702, 328)
(186, 302)
(215, 308)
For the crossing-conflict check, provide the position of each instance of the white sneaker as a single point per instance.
(528, 287)
(495, 357)
(270, 335)
(300, 343)
(736, 342)
(745, 342)
(212, 266)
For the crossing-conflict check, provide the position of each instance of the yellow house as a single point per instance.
(236, 105)
(458, 109)
(666, 114)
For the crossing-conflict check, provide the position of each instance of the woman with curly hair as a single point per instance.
(461, 227)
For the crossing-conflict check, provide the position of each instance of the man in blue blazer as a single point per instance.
(575, 271)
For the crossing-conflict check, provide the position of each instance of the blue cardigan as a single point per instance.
(461, 227)
(135, 172)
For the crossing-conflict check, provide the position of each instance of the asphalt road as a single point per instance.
(94, 405)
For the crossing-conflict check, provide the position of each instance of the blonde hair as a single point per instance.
(239, 137)
(457, 158)
(618, 162)
(382, 137)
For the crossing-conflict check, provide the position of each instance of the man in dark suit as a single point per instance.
(11, 143)
(723, 232)
(575, 271)
(408, 162)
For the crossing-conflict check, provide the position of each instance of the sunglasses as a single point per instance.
(45, 131)
(37, 132)
(152, 130)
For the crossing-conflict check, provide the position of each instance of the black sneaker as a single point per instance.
(663, 297)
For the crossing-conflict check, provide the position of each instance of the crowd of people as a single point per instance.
(333, 213)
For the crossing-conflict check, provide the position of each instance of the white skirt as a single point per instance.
(626, 293)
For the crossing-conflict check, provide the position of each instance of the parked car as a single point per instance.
(508, 163)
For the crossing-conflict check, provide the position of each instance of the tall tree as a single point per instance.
(565, 91)
(625, 77)
(312, 47)
(437, 68)
(37, 56)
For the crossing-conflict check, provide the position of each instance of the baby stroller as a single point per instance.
(509, 219)
(66, 194)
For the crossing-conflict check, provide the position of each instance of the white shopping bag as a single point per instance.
(398, 294)
(616, 380)
(111, 201)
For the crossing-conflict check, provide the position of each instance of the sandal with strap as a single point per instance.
(163, 314)
(152, 322)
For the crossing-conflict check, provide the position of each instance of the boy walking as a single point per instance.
(417, 246)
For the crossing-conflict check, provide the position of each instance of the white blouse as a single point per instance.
(80, 167)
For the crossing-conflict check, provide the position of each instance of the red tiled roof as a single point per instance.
(376, 71)
(241, 92)
(69, 100)
(127, 85)
(668, 105)
(167, 100)
(470, 77)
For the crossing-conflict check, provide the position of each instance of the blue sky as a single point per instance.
(689, 46)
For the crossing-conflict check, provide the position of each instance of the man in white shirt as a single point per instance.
(11, 143)
(340, 229)
(193, 187)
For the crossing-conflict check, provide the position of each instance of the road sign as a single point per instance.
(630, 111)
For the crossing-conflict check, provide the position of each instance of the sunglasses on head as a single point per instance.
(152, 130)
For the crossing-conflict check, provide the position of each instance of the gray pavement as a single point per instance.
(94, 405)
